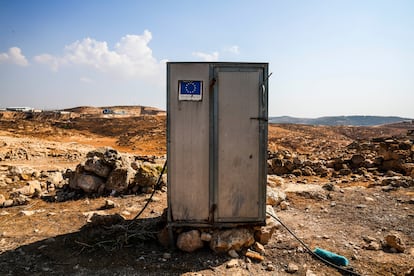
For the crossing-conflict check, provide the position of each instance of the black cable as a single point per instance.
(156, 187)
(311, 252)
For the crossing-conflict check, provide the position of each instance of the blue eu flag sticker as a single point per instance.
(190, 90)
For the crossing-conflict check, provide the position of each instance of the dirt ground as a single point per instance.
(46, 237)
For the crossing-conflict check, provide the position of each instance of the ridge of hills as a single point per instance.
(354, 120)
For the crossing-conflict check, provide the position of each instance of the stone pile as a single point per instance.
(35, 184)
(285, 162)
(107, 171)
(247, 241)
(378, 155)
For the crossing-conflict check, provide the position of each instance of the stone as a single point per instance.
(255, 256)
(357, 160)
(15, 171)
(19, 199)
(233, 253)
(2, 200)
(87, 183)
(96, 218)
(97, 166)
(232, 263)
(264, 233)
(109, 204)
(373, 245)
(27, 213)
(120, 178)
(270, 267)
(146, 175)
(284, 205)
(292, 268)
(274, 196)
(330, 187)
(398, 181)
(307, 171)
(311, 191)
(166, 255)
(393, 240)
(368, 239)
(237, 238)
(275, 181)
(258, 247)
(189, 241)
(109, 155)
(310, 273)
(164, 237)
(278, 167)
(22, 173)
(205, 236)
(32, 188)
(55, 178)
(8, 203)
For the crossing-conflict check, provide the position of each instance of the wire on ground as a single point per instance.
(341, 269)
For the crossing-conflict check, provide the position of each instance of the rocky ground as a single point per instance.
(68, 204)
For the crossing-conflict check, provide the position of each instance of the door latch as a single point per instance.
(259, 119)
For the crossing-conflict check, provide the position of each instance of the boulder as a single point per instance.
(274, 196)
(146, 175)
(264, 234)
(237, 238)
(189, 241)
(86, 182)
(97, 166)
(120, 178)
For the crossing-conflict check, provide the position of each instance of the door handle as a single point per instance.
(259, 119)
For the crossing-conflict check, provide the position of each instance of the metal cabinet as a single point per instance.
(216, 143)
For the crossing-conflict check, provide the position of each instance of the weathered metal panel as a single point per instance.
(238, 145)
(188, 146)
(217, 146)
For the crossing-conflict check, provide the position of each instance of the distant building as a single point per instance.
(20, 109)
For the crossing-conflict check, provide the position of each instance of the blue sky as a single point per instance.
(331, 57)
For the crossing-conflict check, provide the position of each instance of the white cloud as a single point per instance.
(15, 56)
(86, 80)
(233, 49)
(207, 57)
(130, 58)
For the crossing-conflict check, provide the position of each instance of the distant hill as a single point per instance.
(340, 120)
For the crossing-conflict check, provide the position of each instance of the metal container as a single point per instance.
(216, 143)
